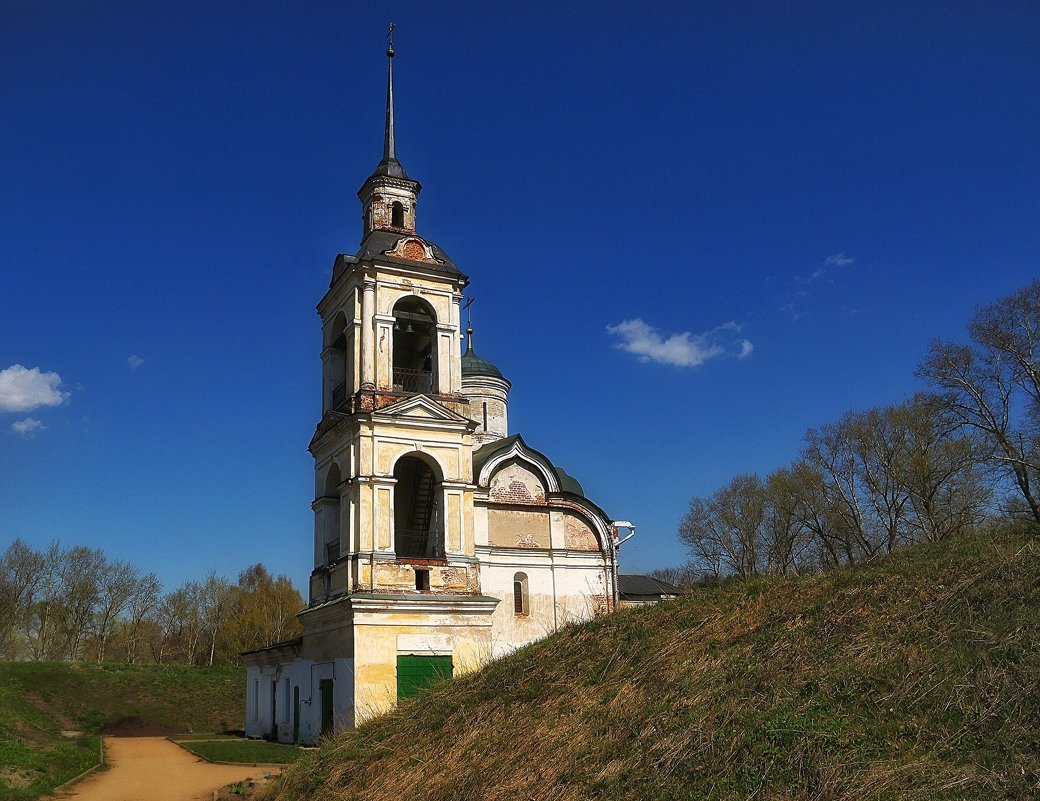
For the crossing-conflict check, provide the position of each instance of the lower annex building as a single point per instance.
(440, 540)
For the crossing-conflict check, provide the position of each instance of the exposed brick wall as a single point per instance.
(579, 536)
(513, 484)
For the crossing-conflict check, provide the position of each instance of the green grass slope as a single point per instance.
(913, 678)
(40, 700)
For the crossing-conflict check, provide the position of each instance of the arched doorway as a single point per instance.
(418, 533)
(415, 340)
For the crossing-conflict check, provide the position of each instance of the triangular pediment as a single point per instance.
(423, 408)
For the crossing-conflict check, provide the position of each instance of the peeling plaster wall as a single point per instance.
(563, 587)
(382, 637)
(518, 528)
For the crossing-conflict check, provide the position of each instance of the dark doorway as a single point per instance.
(273, 734)
(296, 715)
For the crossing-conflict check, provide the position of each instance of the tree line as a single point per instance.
(944, 462)
(76, 604)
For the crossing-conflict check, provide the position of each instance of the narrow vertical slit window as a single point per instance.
(485, 416)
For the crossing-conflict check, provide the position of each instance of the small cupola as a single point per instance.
(389, 197)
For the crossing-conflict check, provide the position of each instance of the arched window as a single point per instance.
(521, 598)
(415, 339)
(417, 523)
(397, 215)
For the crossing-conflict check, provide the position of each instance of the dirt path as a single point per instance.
(154, 769)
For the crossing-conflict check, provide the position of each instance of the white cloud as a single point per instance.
(685, 349)
(22, 390)
(134, 361)
(28, 427)
(834, 260)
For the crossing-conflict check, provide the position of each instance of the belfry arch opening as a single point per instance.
(418, 533)
(415, 339)
(397, 214)
(338, 362)
(332, 521)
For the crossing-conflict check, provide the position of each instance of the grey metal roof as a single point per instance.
(630, 584)
(391, 167)
(378, 242)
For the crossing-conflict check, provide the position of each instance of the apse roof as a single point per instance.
(483, 454)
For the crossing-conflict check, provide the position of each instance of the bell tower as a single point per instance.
(393, 505)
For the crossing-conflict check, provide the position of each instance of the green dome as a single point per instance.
(472, 364)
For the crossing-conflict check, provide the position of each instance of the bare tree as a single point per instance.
(172, 619)
(942, 472)
(80, 574)
(993, 386)
(21, 572)
(215, 597)
(829, 451)
(681, 577)
(724, 531)
(39, 623)
(785, 533)
(878, 442)
(116, 587)
(143, 601)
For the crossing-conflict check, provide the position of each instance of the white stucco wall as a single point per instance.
(305, 675)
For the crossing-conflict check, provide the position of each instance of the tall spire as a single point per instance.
(390, 165)
(388, 136)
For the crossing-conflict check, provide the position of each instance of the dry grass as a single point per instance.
(914, 678)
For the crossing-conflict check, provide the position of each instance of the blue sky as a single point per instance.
(693, 231)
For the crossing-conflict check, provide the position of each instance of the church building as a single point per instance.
(441, 540)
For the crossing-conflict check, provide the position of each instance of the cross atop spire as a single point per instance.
(390, 165)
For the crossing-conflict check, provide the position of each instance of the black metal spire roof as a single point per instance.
(390, 165)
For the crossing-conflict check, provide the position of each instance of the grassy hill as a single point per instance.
(912, 678)
(40, 700)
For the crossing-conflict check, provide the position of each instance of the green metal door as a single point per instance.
(325, 689)
(415, 673)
